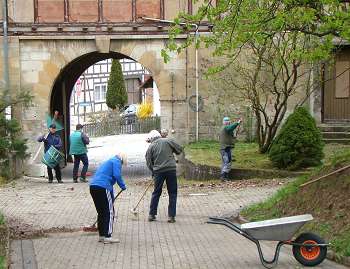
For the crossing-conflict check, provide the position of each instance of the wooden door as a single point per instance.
(336, 91)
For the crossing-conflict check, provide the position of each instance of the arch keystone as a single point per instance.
(103, 44)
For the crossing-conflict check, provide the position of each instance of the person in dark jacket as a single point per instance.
(160, 160)
(52, 139)
(227, 140)
(78, 141)
(101, 190)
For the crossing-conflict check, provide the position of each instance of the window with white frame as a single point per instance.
(100, 92)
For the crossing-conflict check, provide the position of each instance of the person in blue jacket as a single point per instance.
(52, 139)
(101, 190)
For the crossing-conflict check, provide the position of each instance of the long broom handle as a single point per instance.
(324, 176)
(149, 185)
(38, 151)
(115, 198)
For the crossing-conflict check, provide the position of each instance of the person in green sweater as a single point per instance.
(78, 141)
(227, 140)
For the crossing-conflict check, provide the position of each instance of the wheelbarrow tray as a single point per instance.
(281, 229)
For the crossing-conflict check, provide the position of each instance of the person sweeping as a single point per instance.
(160, 160)
(101, 190)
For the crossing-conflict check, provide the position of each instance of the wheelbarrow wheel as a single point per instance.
(309, 256)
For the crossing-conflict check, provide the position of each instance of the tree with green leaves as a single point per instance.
(12, 146)
(270, 46)
(117, 96)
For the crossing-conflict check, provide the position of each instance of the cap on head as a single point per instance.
(53, 126)
(79, 126)
(152, 135)
(226, 120)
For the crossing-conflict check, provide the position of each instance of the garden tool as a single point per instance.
(93, 227)
(134, 211)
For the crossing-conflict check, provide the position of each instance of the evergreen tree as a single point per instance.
(12, 145)
(117, 96)
(299, 143)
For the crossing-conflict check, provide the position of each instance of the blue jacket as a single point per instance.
(51, 140)
(109, 173)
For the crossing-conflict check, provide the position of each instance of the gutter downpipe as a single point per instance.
(196, 65)
(197, 91)
(5, 48)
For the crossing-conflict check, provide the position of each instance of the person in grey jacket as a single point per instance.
(160, 160)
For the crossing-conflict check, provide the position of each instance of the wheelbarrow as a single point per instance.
(308, 248)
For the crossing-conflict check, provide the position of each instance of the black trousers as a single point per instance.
(103, 200)
(57, 172)
(171, 184)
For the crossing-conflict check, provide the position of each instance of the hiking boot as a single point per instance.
(151, 218)
(110, 240)
(83, 179)
(171, 219)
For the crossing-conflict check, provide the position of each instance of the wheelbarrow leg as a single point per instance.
(237, 229)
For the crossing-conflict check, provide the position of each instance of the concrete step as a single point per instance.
(334, 128)
(337, 140)
(336, 135)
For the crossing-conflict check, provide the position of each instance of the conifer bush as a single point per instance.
(299, 143)
(116, 96)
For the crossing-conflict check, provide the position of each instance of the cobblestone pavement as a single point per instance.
(50, 218)
(189, 243)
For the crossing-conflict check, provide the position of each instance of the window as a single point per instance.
(100, 92)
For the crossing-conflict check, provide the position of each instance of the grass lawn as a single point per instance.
(246, 154)
(327, 200)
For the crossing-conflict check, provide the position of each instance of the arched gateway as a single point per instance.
(50, 68)
(50, 43)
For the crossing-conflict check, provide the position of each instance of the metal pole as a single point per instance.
(5, 48)
(197, 94)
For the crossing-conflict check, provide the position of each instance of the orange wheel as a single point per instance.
(309, 256)
(310, 253)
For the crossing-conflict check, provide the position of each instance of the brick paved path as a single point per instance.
(34, 206)
(189, 243)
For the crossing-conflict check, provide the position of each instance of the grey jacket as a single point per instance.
(160, 155)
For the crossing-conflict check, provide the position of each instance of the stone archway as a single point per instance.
(64, 83)
(49, 69)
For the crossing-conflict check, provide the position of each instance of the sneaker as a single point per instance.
(83, 180)
(50, 181)
(110, 240)
(101, 239)
(60, 181)
(75, 180)
(151, 218)
(171, 219)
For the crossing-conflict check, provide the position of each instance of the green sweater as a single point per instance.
(77, 145)
(227, 138)
(160, 155)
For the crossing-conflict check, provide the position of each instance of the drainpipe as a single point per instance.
(196, 65)
(5, 47)
(197, 94)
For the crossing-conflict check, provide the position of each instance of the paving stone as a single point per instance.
(189, 243)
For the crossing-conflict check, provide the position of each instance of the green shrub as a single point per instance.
(117, 96)
(299, 143)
